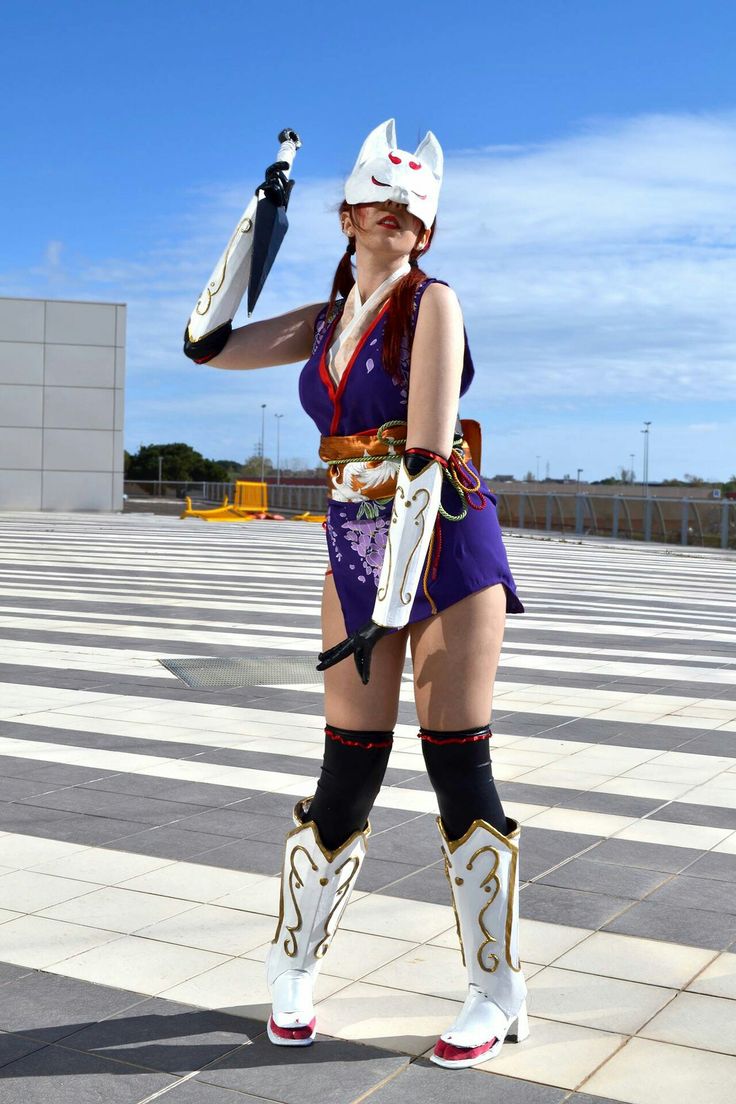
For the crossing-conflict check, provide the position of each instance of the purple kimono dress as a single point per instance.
(472, 551)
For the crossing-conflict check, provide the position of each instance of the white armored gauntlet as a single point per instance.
(416, 503)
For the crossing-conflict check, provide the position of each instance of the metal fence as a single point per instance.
(705, 523)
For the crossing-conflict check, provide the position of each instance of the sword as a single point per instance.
(251, 251)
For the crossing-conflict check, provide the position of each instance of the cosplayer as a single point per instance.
(416, 558)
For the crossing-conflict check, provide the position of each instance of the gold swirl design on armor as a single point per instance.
(492, 886)
(322, 947)
(389, 553)
(296, 882)
(205, 300)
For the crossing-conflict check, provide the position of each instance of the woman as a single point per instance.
(416, 558)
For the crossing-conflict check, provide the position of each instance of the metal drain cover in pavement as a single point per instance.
(229, 674)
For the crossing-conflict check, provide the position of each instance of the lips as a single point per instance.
(390, 221)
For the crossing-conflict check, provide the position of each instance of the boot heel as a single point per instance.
(519, 1029)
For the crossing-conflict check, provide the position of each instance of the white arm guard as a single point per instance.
(227, 285)
(416, 504)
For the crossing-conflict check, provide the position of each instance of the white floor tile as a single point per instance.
(648, 1072)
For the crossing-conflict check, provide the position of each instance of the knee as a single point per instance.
(459, 768)
(353, 769)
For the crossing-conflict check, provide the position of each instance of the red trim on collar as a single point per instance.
(336, 394)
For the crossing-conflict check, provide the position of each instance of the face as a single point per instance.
(386, 229)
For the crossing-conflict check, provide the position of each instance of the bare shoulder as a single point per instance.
(439, 305)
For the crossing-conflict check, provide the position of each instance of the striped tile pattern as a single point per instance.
(142, 823)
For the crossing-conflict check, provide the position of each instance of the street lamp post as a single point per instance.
(263, 441)
(278, 418)
(577, 488)
(645, 462)
(631, 469)
(537, 469)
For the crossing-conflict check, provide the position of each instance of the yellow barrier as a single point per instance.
(309, 517)
(251, 502)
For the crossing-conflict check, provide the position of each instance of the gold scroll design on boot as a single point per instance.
(383, 591)
(296, 882)
(492, 885)
(322, 947)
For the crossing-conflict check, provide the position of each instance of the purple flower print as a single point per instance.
(367, 538)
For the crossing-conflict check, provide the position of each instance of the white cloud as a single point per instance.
(595, 268)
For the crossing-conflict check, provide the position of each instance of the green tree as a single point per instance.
(180, 463)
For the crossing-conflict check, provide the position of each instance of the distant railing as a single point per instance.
(704, 523)
(286, 497)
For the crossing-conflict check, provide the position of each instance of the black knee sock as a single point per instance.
(353, 767)
(459, 768)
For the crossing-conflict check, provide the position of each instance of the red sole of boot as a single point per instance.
(292, 1036)
(450, 1055)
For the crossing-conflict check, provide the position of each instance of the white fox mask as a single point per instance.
(384, 172)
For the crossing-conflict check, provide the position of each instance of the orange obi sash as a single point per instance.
(363, 467)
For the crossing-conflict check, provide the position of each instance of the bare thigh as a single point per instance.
(348, 703)
(455, 656)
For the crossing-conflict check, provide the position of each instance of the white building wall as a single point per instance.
(62, 379)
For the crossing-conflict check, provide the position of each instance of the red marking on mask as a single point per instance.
(379, 183)
(415, 164)
(393, 158)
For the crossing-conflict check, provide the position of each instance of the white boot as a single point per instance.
(482, 868)
(315, 888)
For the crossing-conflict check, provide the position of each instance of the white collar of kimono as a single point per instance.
(362, 310)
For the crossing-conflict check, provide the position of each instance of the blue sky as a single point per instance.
(587, 219)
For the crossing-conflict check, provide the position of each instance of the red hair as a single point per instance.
(399, 314)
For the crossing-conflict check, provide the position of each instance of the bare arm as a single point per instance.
(285, 339)
(436, 371)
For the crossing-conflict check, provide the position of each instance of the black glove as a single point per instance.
(209, 346)
(360, 644)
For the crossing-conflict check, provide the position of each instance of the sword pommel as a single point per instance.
(289, 135)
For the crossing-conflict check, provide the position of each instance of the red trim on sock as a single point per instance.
(422, 735)
(356, 743)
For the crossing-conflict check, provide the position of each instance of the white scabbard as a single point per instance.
(227, 285)
(416, 503)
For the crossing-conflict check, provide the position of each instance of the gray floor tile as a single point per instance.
(237, 824)
(713, 865)
(9, 972)
(540, 849)
(331, 1071)
(429, 884)
(585, 1098)
(712, 894)
(617, 804)
(172, 843)
(712, 743)
(73, 1077)
(651, 856)
(569, 906)
(13, 1047)
(597, 877)
(196, 1091)
(377, 874)
(166, 1036)
(682, 812)
(425, 1083)
(48, 1007)
(253, 856)
(696, 927)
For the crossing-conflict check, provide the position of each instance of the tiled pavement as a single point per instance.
(142, 825)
